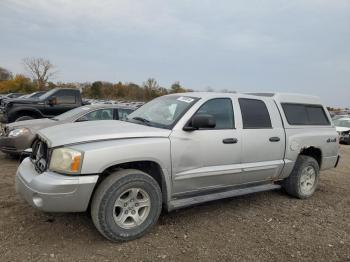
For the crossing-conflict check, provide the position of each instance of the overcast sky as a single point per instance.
(282, 45)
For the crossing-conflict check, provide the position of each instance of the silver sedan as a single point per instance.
(18, 136)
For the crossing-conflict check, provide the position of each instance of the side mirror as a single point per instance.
(52, 101)
(200, 121)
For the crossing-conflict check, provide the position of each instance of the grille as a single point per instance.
(39, 155)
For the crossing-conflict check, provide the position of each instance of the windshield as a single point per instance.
(71, 113)
(162, 112)
(342, 123)
(36, 94)
(47, 94)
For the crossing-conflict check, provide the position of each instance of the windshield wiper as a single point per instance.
(143, 120)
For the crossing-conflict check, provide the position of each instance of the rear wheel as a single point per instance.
(126, 205)
(23, 118)
(303, 180)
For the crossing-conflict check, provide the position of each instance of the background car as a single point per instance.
(343, 128)
(53, 103)
(33, 95)
(9, 96)
(18, 136)
(335, 117)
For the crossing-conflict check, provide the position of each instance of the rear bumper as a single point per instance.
(337, 162)
(52, 192)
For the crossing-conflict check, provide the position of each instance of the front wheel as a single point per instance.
(303, 180)
(126, 205)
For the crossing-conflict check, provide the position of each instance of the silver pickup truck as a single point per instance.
(179, 150)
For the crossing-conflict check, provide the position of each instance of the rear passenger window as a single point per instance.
(300, 114)
(254, 114)
(221, 109)
(296, 114)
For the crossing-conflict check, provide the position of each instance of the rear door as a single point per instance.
(263, 140)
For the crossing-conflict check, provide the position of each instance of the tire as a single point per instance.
(296, 184)
(23, 118)
(111, 191)
(13, 155)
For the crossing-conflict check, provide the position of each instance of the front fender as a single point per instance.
(100, 155)
(14, 110)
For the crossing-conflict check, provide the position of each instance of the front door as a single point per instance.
(207, 159)
(66, 101)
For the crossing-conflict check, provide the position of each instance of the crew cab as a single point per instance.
(49, 104)
(179, 150)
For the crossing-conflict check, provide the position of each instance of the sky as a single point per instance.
(299, 46)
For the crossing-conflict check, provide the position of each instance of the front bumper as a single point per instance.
(15, 145)
(52, 192)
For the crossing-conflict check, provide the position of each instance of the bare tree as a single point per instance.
(151, 83)
(41, 70)
(5, 74)
(228, 91)
(209, 89)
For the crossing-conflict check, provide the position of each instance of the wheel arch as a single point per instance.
(313, 152)
(150, 167)
(14, 114)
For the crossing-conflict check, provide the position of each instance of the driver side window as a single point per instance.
(222, 111)
(102, 114)
(65, 97)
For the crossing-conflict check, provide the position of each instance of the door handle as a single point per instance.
(274, 139)
(230, 140)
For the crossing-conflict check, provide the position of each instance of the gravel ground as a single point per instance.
(267, 226)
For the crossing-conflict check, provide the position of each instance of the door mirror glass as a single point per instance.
(201, 121)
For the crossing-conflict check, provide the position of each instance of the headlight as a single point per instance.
(66, 160)
(18, 132)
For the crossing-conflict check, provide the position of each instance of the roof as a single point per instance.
(96, 106)
(279, 97)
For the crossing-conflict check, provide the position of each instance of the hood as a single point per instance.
(90, 131)
(342, 129)
(34, 124)
(21, 101)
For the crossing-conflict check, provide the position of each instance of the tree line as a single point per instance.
(41, 72)
(130, 91)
